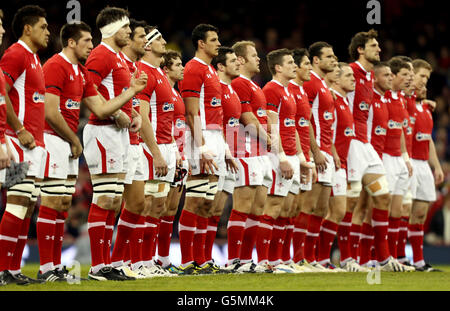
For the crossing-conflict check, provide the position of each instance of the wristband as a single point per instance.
(282, 157)
(405, 156)
(302, 158)
(20, 130)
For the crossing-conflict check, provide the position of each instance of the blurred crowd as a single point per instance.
(407, 27)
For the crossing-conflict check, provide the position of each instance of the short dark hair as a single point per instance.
(110, 15)
(404, 58)
(379, 65)
(72, 31)
(341, 66)
(27, 15)
(221, 57)
(315, 49)
(169, 57)
(298, 55)
(396, 64)
(360, 40)
(199, 33)
(135, 24)
(275, 57)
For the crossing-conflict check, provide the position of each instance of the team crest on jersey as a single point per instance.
(135, 102)
(2, 100)
(167, 107)
(412, 120)
(422, 136)
(380, 131)
(180, 124)
(327, 115)
(409, 130)
(38, 98)
(232, 122)
(302, 122)
(72, 104)
(363, 106)
(261, 112)
(289, 122)
(349, 132)
(216, 102)
(394, 125)
(405, 123)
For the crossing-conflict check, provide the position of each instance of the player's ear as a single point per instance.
(27, 29)
(241, 60)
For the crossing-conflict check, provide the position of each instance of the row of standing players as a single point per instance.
(142, 152)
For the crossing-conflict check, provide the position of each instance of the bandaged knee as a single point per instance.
(197, 188)
(17, 210)
(407, 198)
(53, 188)
(378, 187)
(212, 190)
(22, 189)
(354, 189)
(156, 189)
(120, 187)
(103, 187)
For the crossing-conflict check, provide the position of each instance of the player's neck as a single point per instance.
(298, 81)
(171, 82)
(203, 56)
(337, 89)
(152, 59)
(379, 90)
(130, 54)
(70, 55)
(27, 40)
(319, 72)
(224, 78)
(281, 79)
(368, 66)
(111, 42)
(246, 73)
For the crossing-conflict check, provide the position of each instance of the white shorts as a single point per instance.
(362, 159)
(3, 171)
(35, 157)
(281, 186)
(227, 183)
(327, 176)
(340, 185)
(58, 163)
(215, 143)
(266, 167)
(184, 165)
(396, 174)
(135, 167)
(422, 186)
(106, 149)
(168, 152)
(250, 172)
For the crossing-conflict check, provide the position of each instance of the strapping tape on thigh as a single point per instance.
(197, 188)
(70, 187)
(157, 189)
(378, 187)
(212, 190)
(104, 187)
(354, 189)
(23, 189)
(52, 188)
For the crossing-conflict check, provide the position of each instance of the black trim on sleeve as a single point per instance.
(270, 104)
(56, 87)
(190, 91)
(4, 72)
(245, 102)
(96, 72)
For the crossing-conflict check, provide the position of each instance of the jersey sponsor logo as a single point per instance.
(405, 123)
(135, 102)
(409, 130)
(363, 106)
(167, 107)
(381, 131)
(233, 122)
(422, 136)
(328, 115)
(180, 124)
(302, 122)
(72, 104)
(261, 112)
(2, 100)
(289, 122)
(38, 98)
(412, 120)
(216, 102)
(393, 125)
(349, 132)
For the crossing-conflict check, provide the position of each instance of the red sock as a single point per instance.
(366, 243)
(393, 231)
(109, 231)
(312, 236)
(380, 226)
(343, 237)
(354, 236)
(137, 241)
(235, 233)
(249, 238)
(327, 234)
(415, 236)
(186, 229)
(298, 236)
(150, 232)
(286, 253)
(200, 240)
(125, 227)
(45, 231)
(213, 222)
(402, 236)
(59, 238)
(9, 232)
(20, 246)
(164, 238)
(276, 243)
(96, 229)
(263, 237)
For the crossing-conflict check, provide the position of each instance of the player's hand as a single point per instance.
(430, 103)
(269, 143)
(286, 169)
(179, 159)
(122, 120)
(136, 123)
(138, 83)
(314, 174)
(410, 168)
(321, 161)
(337, 162)
(160, 165)
(231, 165)
(11, 157)
(26, 139)
(76, 148)
(4, 159)
(438, 176)
(207, 163)
(306, 172)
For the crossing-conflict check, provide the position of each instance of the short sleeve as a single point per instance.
(12, 65)
(146, 93)
(244, 93)
(273, 100)
(97, 68)
(89, 87)
(310, 90)
(54, 78)
(192, 83)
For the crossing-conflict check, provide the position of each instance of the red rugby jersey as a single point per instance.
(396, 107)
(410, 112)
(179, 121)
(423, 129)
(281, 101)
(159, 94)
(344, 128)
(132, 67)
(322, 102)
(302, 117)
(252, 99)
(110, 73)
(71, 83)
(377, 122)
(23, 72)
(2, 108)
(231, 105)
(201, 81)
(360, 99)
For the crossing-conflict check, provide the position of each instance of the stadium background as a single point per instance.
(414, 28)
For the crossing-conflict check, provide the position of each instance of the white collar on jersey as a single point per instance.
(25, 46)
(127, 58)
(64, 56)
(148, 64)
(200, 61)
(109, 48)
(344, 98)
